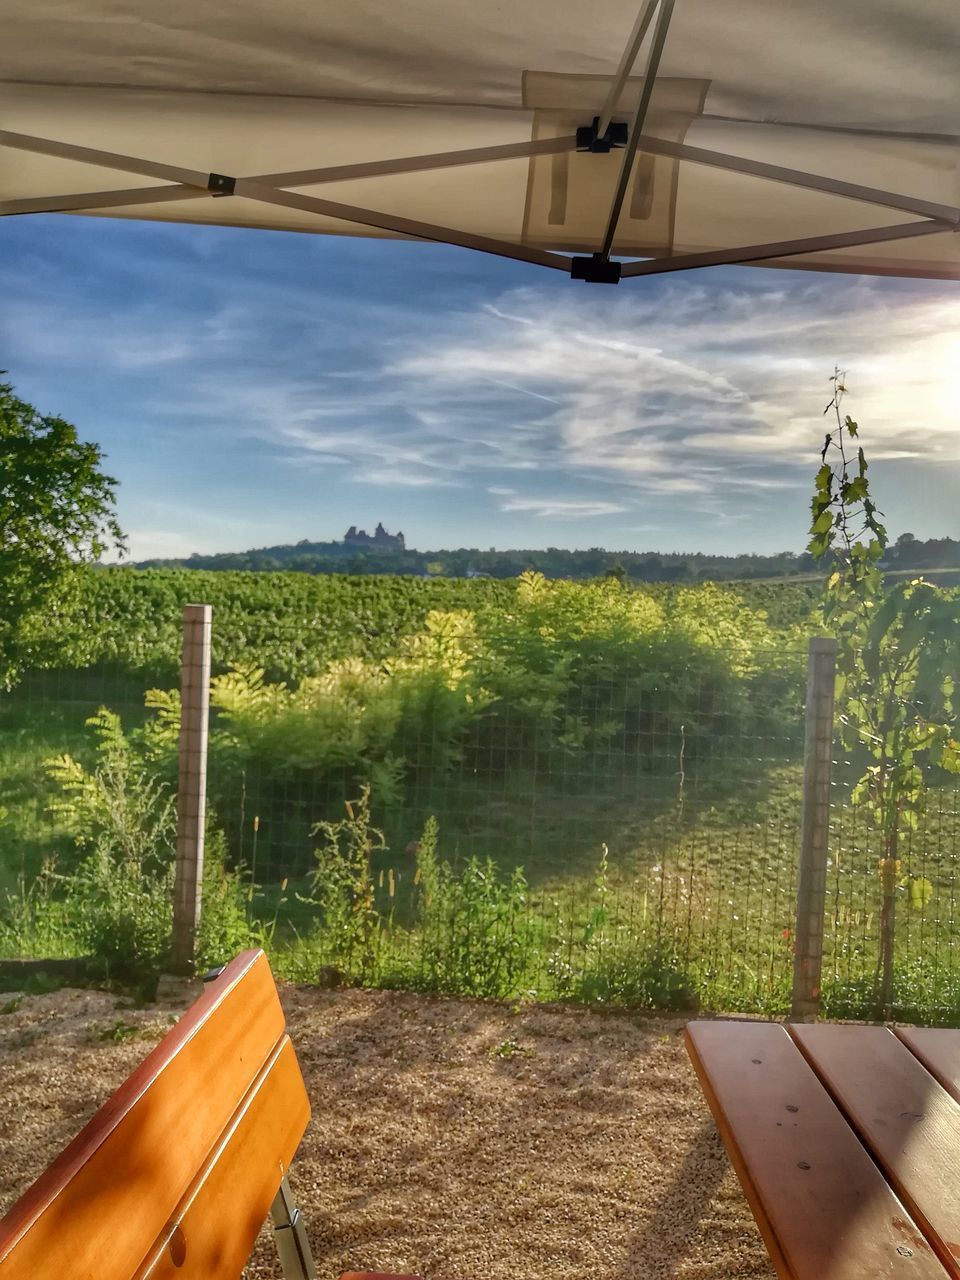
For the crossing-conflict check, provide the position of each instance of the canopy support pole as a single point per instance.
(636, 127)
(799, 178)
(253, 190)
(627, 59)
(82, 201)
(781, 249)
(419, 164)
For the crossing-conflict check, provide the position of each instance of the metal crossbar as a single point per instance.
(402, 226)
(799, 178)
(636, 128)
(781, 249)
(199, 184)
(190, 184)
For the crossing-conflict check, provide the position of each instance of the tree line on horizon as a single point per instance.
(908, 553)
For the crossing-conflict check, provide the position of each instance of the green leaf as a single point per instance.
(824, 478)
(921, 891)
(854, 490)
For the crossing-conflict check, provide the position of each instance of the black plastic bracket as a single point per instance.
(218, 184)
(588, 138)
(213, 974)
(595, 270)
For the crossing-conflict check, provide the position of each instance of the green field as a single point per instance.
(637, 752)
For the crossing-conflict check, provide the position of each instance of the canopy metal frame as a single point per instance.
(181, 184)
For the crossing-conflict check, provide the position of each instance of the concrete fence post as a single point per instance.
(814, 829)
(192, 783)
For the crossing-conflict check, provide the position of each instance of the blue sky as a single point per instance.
(257, 387)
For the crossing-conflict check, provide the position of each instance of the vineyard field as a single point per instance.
(637, 751)
(294, 625)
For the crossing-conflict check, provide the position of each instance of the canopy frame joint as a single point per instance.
(596, 269)
(220, 184)
(614, 136)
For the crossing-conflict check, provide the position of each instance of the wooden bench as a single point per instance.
(175, 1175)
(845, 1139)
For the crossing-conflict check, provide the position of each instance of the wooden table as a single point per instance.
(846, 1140)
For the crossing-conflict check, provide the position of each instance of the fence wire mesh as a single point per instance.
(654, 808)
(654, 812)
(927, 914)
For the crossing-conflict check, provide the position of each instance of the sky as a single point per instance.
(251, 388)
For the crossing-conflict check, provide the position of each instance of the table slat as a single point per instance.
(906, 1120)
(822, 1205)
(939, 1050)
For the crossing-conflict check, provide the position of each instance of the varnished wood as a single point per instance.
(939, 1051)
(908, 1123)
(213, 1231)
(823, 1207)
(117, 1190)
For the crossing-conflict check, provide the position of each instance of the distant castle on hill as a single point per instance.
(381, 540)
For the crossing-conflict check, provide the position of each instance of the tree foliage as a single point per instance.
(56, 511)
(294, 624)
(897, 650)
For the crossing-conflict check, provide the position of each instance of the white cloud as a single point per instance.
(693, 391)
(552, 508)
(660, 400)
(687, 393)
(408, 479)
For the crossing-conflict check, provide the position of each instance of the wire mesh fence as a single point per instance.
(652, 803)
(42, 719)
(614, 829)
(926, 914)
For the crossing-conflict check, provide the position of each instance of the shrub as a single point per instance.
(114, 903)
(477, 934)
(631, 972)
(343, 887)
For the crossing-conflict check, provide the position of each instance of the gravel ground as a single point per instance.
(452, 1138)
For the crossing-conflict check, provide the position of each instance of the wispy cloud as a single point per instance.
(268, 366)
(553, 508)
(694, 392)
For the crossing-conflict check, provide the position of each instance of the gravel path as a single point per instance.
(453, 1138)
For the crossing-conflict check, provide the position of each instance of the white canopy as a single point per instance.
(818, 134)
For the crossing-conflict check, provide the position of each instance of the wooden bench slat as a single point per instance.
(939, 1051)
(94, 1213)
(907, 1121)
(211, 1235)
(822, 1205)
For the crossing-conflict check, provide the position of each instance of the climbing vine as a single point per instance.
(898, 650)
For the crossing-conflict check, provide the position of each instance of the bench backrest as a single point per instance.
(175, 1174)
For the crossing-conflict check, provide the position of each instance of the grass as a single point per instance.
(697, 903)
(33, 728)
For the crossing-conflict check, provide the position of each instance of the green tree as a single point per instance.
(617, 573)
(56, 512)
(898, 650)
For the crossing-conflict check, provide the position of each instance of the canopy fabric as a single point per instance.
(858, 99)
